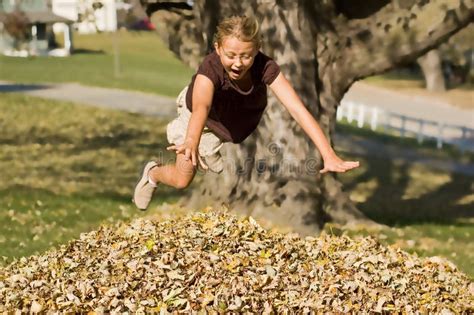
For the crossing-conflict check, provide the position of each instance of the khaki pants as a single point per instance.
(209, 144)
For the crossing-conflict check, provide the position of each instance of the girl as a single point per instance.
(224, 103)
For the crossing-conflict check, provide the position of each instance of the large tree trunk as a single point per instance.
(432, 71)
(322, 48)
(275, 173)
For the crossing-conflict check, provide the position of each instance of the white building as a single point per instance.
(58, 16)
(39, 38)
(91, 16)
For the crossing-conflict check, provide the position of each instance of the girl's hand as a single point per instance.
(335, 164)
(190, 151)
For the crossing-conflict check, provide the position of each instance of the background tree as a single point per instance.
(17, 26)
(451, 63)
(323, 47)
(87, 12)
(457, 55)
(432, 68)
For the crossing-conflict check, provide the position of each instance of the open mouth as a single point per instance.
(236, 72)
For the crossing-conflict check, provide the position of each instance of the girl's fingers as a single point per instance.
(202, 163)
(193, 158)
(352, 163)
(341, 167)
(178, 149)
(187, 154)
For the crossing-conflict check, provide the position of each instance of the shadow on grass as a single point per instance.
(468, 86)
(17, 88)
(118, 139)
(407, 188)
(389, 203)
(83, 51)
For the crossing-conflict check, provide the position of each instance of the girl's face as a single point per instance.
(236, 56)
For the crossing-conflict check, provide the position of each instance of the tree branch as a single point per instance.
(394, 36)
(169, 6)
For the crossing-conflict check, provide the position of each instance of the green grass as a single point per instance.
(399, 78)
(405, 79)
(145, 65)
(67, 168)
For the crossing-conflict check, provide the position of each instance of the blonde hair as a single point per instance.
(246, 29)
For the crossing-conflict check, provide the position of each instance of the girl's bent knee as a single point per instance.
(182, 183)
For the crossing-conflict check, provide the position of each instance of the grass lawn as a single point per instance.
(66, 169)
(145, 65)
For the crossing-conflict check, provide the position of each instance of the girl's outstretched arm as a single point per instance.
(288, 97)
(203, 91)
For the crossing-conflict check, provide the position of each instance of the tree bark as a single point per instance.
(432, 71)
(274, 174)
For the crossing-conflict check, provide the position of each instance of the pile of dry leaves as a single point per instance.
(215, 262)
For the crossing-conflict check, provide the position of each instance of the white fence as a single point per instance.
(421, 129)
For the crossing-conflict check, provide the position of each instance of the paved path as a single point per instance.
(131, 101)
(156, 105)
(409, 105)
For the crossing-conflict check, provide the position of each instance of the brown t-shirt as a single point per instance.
(234, 113)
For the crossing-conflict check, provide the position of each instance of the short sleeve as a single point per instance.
(210, 68)
(270, 71)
